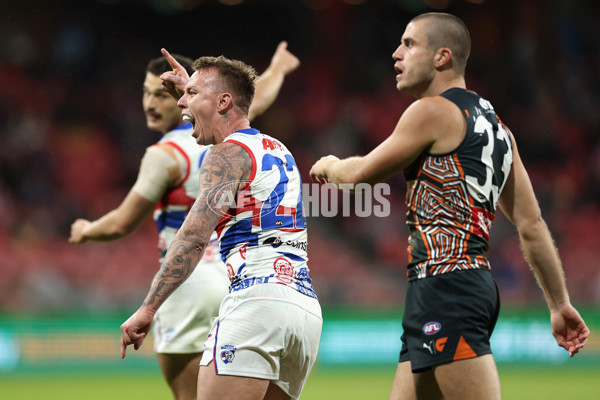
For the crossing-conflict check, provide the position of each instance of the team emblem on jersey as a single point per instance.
(243, 251)
(230, 272)
(432, 327)
(227, 353)
(284, 270)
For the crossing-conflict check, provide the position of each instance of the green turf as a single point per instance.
(550, 383)
(526, 383)
(72, 386)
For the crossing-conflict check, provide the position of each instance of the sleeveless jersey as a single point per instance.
(263, 236)
(452, 197)
(171, 210)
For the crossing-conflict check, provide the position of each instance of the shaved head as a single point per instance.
(447, 30)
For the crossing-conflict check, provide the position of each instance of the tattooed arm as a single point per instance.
(224, 172)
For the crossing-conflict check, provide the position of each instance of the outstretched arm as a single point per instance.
(115, 224)
(520, 206)
(418, 129)
(270, 81)
(158, 170)
(191, 240)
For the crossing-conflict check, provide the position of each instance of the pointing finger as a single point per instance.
(123, 348)
(170, 59)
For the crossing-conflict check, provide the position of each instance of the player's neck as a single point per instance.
(231, 124)
(439, 86)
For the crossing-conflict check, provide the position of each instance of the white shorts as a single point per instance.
(267, 331)
(182, 322)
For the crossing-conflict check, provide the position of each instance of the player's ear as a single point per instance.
(442, 57)
(224, 103)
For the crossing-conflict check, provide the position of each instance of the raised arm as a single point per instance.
(519, 204)
(234, 166)
(174, 81)
(270, 81)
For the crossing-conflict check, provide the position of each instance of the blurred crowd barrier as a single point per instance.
(84, 343)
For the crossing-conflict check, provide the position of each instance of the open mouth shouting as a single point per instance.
(188, 118)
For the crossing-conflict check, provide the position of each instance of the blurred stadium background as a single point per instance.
(73, 132)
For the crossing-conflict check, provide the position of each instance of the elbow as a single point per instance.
(531, 228)
(121, 230)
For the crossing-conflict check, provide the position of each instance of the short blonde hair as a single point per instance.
(233, 76)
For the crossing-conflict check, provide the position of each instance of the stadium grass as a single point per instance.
(518, 383)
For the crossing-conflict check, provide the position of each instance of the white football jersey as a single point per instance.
(263, 236)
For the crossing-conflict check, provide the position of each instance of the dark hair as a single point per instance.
(447, 30)
(160, 65)
(234, 76)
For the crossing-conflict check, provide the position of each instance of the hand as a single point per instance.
(318, 171)
(283, 60)
(174, 81)
(569, 329)
(135, 329)
(77, 229)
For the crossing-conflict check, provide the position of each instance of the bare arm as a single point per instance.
(191, 240)
(270, 81)
(189, 243)
(158, 170)
(423, 125)
(520, 206)
(115, 224)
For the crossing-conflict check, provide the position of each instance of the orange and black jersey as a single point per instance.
(452, 197)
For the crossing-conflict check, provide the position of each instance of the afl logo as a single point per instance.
(431, 328)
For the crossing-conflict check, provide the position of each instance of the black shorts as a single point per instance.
(448, 318)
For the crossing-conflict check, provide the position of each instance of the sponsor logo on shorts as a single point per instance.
(435, 346)
(227, 353)
(284, 271)
(429, 346)
(440, 343)
(432, 327)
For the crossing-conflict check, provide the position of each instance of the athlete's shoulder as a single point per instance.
(429, 107)
(181, 134)
(159, 150)
(255, 141)
(428, 113)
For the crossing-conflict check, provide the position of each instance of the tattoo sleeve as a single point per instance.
(224, 171)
